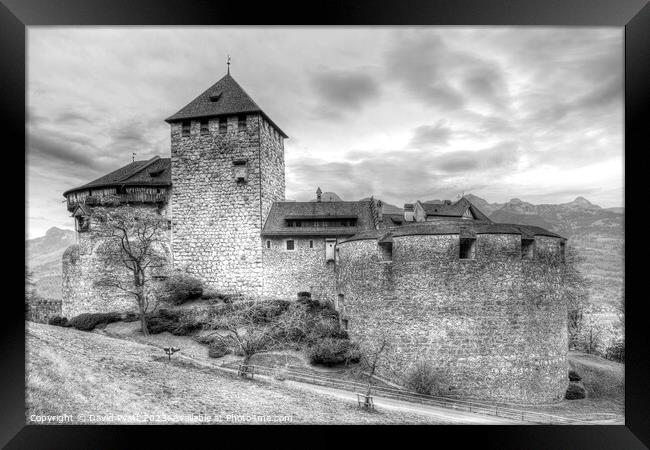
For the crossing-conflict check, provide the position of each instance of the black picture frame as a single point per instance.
(634, 15)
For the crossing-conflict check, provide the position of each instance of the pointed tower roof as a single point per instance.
(224, 98)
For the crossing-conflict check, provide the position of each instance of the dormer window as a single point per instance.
(186, 126)
(215, 97)
(241, 122)
(205, 126)
(223, 125)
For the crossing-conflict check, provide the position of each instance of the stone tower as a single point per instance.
(227, 161)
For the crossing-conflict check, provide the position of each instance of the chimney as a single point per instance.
(447, 202)
(318, 194)
(408, 212)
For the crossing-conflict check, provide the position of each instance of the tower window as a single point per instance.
(527, 248)
(345, 323)
(467, 248)
(204, 126)
(186, 126)
(83, 224)
(563, 251)
(311, 244)
(290, 244)
(268, 244)
(241, 122)
(223, 125)
(241, 171)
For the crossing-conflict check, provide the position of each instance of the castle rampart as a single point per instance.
(493, 327)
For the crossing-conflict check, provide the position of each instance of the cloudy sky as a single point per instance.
(402, 113)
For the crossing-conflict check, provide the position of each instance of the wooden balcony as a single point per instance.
(118, 199)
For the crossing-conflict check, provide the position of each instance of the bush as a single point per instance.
(616, 351)
(575, 392)
(218, 349)
(181, 287)
(58, 321)
(423, 380)
(177, 323)
(573, 376)
(88, 321)
(331, 352)
(130, 317)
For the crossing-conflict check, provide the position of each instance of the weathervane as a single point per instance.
(228, 62)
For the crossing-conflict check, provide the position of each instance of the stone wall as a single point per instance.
(287, 272)
(42, 309)
(493, 327)
(81, 268)
(216, 220)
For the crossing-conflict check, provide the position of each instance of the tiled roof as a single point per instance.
(154, 172)
(225, 97)
(275, 224)
(453, 210)
(456, 226)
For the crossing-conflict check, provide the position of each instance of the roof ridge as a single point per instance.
(139, 169)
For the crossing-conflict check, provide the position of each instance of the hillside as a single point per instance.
(596, 233)
(74, 372)
(43, 258)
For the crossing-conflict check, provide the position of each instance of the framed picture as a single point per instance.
(465, 165)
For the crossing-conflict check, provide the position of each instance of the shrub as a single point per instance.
(575, 392)
(130, 317)
(181, 287)
(178, 323)
(423, 380)
(616, 351)
(331, 352)
(88, 321)
(58, 321)
(573, 376)
(218, 349)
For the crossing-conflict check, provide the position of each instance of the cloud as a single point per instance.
(344, 90)
(502, 156)
(399, 175)
(426, 136)
(73, 150)
(441, 76)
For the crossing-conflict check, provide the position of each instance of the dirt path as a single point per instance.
(445, 414)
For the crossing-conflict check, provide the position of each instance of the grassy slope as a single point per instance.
(604, 382)
(74, 372)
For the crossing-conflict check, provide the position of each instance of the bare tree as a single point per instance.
(132, 246)
(371, 356)
(576, 295)
(241, 324)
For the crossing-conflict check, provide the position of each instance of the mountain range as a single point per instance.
(43, 258)
(596, 233)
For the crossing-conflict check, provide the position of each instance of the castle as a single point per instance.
(480, 300)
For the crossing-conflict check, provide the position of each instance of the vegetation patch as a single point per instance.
(58, 321)
(423, 380)
(89, 321)
(575, 392)
(181, 287)
(331, 352)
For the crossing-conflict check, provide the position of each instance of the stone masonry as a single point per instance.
(217, 220)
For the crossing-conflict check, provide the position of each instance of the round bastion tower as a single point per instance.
(140, 184)
(480, 302)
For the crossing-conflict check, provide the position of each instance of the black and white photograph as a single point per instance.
(271, 225)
